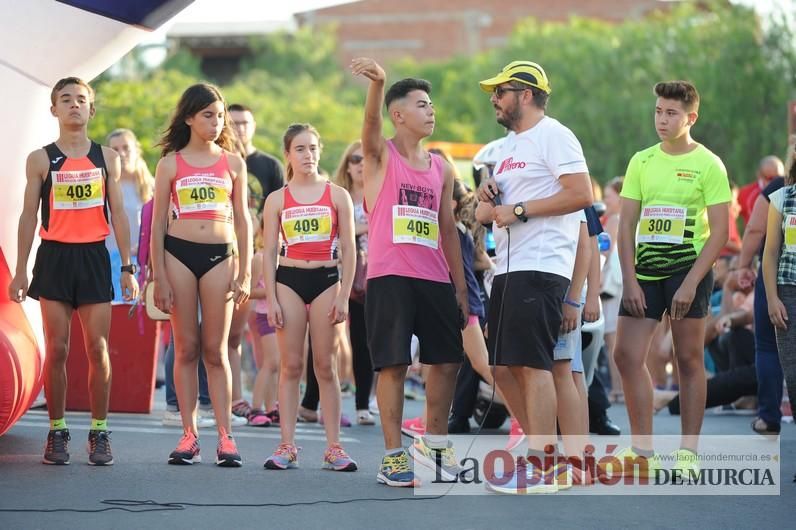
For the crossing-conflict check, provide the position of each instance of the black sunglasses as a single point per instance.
(356, 159)
(500, 90)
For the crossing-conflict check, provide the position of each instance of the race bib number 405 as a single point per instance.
(202, 194)
(303, 224)
(662, 224)
(411, 224)
(77, 190)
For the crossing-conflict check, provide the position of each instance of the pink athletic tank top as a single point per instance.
(403, 234)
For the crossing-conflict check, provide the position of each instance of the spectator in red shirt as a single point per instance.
(769, 167)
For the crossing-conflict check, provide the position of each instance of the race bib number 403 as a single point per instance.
(411, 224)
(77, 190)
(303, 224)
(202, 194)
(662, 224)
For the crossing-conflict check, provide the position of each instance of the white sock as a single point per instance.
(436, 441)
(393, 452)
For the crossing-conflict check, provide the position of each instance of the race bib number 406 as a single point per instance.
(411, 224)
(303, 224)
(662, 224)
(202, 194)
(77, 190)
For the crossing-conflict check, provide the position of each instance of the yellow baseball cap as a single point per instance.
(522, 71)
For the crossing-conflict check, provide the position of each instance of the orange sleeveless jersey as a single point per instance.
(202, 192)
(309, 231)
(74, 204)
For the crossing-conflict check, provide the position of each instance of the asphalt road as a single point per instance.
(228, 498)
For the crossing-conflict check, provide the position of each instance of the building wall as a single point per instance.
(439, 29)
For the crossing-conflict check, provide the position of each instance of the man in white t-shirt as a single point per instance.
(534, 200)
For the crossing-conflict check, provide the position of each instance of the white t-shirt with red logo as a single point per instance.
(528, 168)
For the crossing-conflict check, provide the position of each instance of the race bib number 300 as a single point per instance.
(202, 194)
(790, 232)
(662, 224)
(411, 224)
(303, 224)
(77, 190)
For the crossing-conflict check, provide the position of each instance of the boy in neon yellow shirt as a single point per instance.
(673, 224)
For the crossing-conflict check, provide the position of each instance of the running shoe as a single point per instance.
(364, 417)
(306, 415)
(626, 463)
(686, 461)
(516, 435)
(99, 448)
(241, 409)
(413, 427)
(273, 415)
(344, 420)
(187, 451)
(258, 418)
(227, 452)
(441, 461)
(237, 421)
(336, 459)
(56, 452)
(526, 479)
(373, 406)
(395, 471)
(285, 457)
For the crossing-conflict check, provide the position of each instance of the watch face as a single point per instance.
(518, 210)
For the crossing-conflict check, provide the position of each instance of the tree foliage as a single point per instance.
(601, 74)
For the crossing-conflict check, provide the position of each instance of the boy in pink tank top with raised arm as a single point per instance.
(413, 255)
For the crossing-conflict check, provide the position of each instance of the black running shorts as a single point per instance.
(398, 307)
(74, 273)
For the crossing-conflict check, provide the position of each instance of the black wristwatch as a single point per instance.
(132, 269)
(519, 211)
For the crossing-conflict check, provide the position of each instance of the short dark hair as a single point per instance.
(71, 81)
(540, 97)
(402, 88)
(682, 91)
(237, 107)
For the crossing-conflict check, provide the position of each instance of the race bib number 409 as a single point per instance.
(77, 190)
(662, 224)
(303, 224)
(411, 224)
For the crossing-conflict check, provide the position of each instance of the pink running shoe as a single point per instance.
(516, 435)
(258, 418)
(227, 452)
(336, 459)
(413, 427)
(187, 451)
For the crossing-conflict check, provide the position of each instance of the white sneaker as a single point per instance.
(364, 417)
(172, 418)
(373, 407)
(236, 421)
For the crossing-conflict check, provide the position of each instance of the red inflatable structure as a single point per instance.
(21, 360)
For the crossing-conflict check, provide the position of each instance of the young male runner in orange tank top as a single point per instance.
(76, 181)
